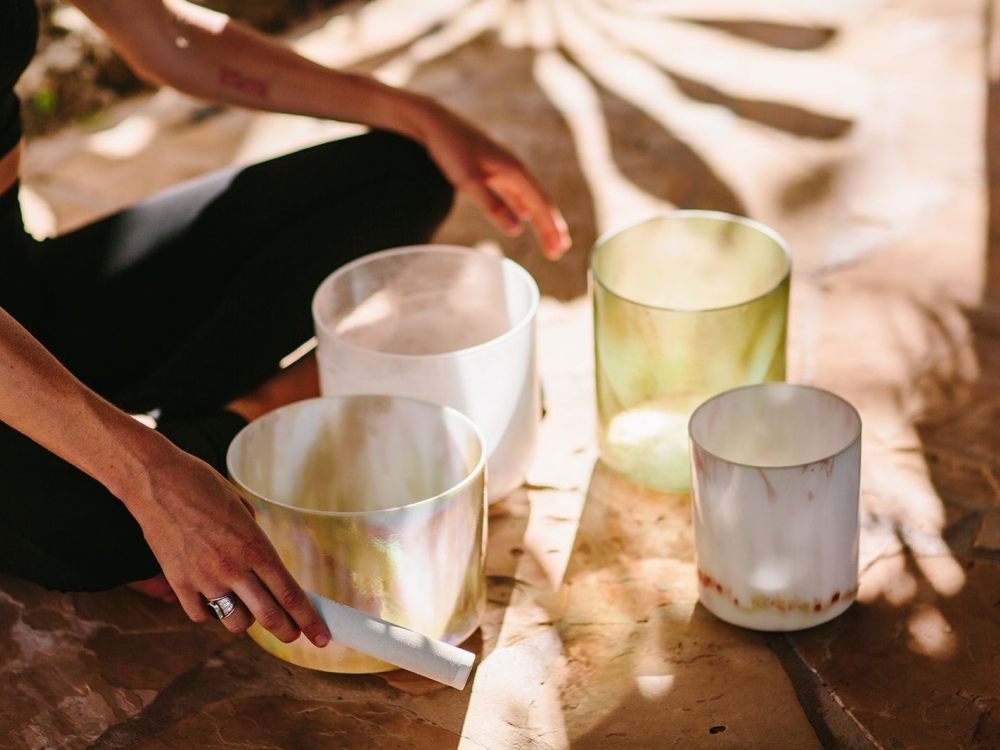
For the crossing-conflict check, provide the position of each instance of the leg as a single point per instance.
(62, 529)
(201, 312)
(187, 303)
(297, 382)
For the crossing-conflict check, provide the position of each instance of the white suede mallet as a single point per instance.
(394, 644)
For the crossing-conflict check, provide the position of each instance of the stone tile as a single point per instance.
(988, 537)
(963, 483)
(914, 661)
(247, 697)
(278, 722)
(77, 664)
(643, 661)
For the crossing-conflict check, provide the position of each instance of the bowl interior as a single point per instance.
(355, 454)
(424, 300)
(775, 425)
(691, 261)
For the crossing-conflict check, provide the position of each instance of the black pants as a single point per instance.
(180, 304)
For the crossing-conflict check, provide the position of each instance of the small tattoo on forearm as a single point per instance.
(235, 79)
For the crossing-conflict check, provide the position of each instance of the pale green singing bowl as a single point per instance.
(376, 502)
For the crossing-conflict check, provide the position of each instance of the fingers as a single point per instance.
(510, 197)
(276, 601)
(193, 605)
(240, 619)
(156, 587)
(498, 210)
(259, 605)
(508, 210)
(518, 189)
(197, 609)
(265, 593)
(256, 603)
(295, 604)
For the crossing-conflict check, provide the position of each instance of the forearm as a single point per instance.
(212, 57)
(196, 524)
(45, 402)
(208, 55)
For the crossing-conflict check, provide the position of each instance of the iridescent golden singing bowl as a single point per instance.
(376, 502)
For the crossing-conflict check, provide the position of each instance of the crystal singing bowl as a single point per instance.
(443, 324)
(377, 503)
(686, 305)
(776, 476)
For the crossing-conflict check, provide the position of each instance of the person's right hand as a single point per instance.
(203, 533)
(489, 174)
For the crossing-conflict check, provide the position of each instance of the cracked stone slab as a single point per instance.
(988, 537)
(75, 665)
(914, 661)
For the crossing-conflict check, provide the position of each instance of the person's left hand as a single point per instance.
(492, 177)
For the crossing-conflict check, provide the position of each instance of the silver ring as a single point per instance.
(222, 606)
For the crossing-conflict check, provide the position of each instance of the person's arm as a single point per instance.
(200, 529)
(210, 56)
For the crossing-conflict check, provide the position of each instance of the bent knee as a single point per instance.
(410, 163)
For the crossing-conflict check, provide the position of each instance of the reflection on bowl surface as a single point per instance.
(442, 324)
(777, 471)
(376, 502)
(686, 305)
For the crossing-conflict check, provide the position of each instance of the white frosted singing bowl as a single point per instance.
(776, 477)
(443, 324)
(377, 503)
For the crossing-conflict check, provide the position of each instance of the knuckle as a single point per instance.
(256, 553)
(472, 182)
(224, 564)
(271, 619)
(238, 626)
(291, 598)
(287, 636)
(226, 568)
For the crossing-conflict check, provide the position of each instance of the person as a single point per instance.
(184, 304)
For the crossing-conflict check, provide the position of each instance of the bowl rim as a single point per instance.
(429, 249)
(470, 476)
(782, 384)
(684, 214)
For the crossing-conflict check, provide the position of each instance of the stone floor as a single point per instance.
(864, 131)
